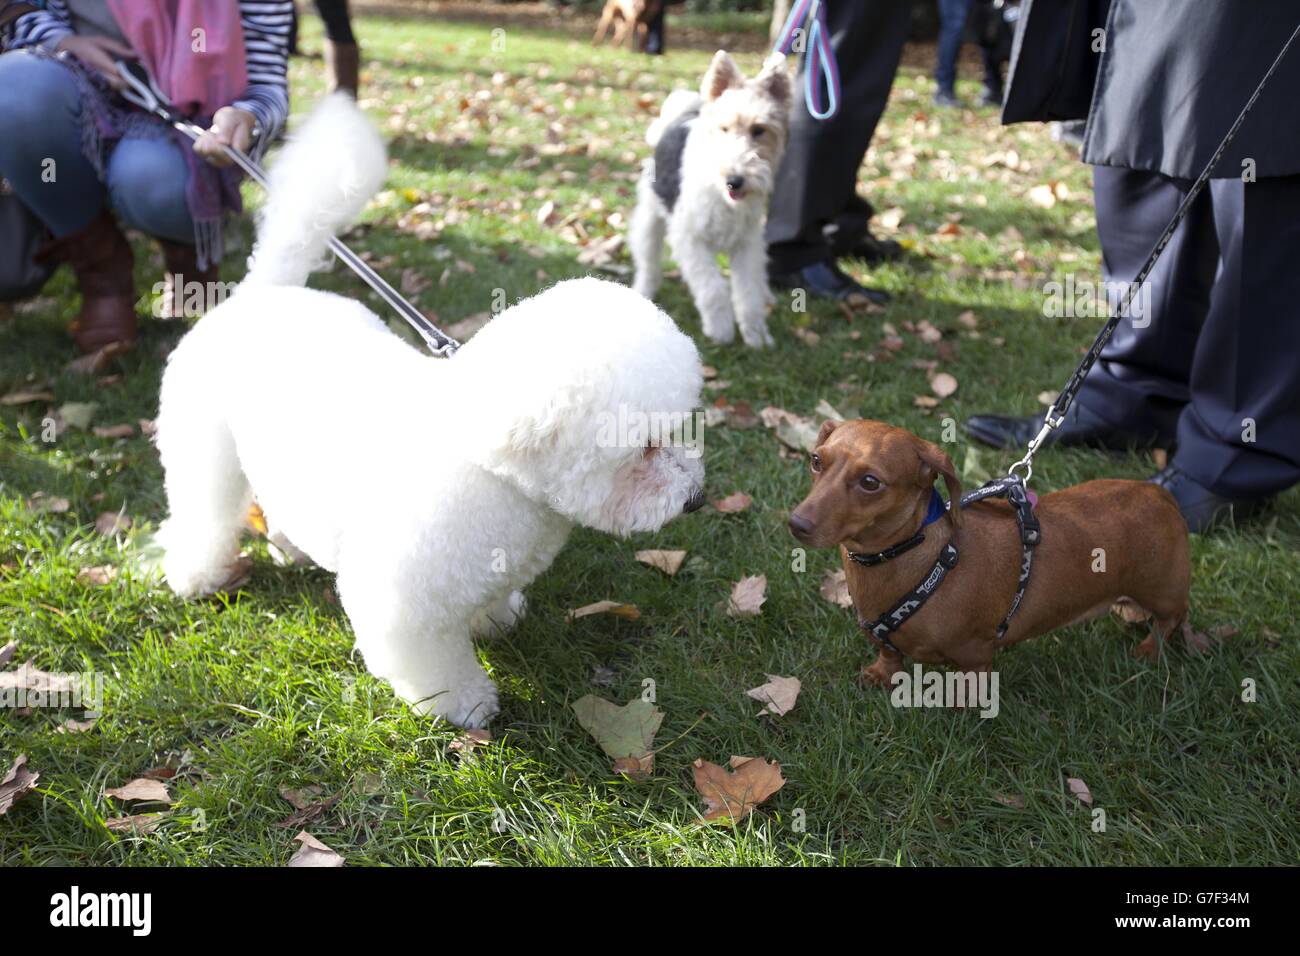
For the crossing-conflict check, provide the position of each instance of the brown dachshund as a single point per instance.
(1102, 543)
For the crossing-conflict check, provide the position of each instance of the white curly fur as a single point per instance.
(740, 132)
(436, 489)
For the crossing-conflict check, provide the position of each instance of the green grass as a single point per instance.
(261, 691)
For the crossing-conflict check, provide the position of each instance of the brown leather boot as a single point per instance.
(182, 273)
(101, 257)
(343, 62)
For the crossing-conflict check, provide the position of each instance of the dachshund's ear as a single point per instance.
(933, 464)
(721, 76)
(825, 432)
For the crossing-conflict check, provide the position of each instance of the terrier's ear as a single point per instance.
(721, 76)
(774, 82)
(825, 432)
(933, 464)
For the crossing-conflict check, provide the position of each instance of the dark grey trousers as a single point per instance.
(816, 185)
(1217, 367)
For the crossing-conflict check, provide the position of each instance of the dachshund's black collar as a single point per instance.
(933, 514)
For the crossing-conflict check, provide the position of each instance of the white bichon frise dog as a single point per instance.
(436, 489)
(706, 190)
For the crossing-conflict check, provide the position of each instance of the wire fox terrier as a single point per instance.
(716, 153)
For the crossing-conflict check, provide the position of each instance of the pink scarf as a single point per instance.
(193, 48)
(195, 51)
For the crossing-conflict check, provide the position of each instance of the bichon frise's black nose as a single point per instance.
(694, 503)
(735, 182)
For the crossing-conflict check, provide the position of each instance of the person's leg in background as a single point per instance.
(817, 181)
(41, 156)
(342, 55)
(952, 27)
(655, 37)
(147, 180)
(1134, 395)
(1239, 436)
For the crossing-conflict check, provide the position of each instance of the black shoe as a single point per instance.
(827, 281)
(947, 98)
(865, 246)
(1081, 427)
(991, 97)
(1202, 508)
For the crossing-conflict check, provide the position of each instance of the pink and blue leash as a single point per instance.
(821, 72)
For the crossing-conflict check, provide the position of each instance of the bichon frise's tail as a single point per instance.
(320, 183)
(678, 102)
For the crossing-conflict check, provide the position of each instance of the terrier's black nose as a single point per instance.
(800, 526)
(735, 182)
(694, 503)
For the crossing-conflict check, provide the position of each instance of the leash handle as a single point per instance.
(1055, 416)
(142, 91)
(820, 66)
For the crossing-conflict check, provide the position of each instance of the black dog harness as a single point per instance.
(1010, 487)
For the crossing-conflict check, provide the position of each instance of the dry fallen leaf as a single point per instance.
(1080, 790)
(747, 596)
(7, 652)
(731, 796)
(471, 740)
(17, 783)
(1130, 612)
(97, 576)
(111, 522)
(71, 726)
(734, 503)
(793, 431)
(42, 502)
(1159, 458)
(151, 791)
(96, 361)
(314, 853)
(307, 805)
(779, 694)
(1196, 642)
(1013, 800)
(125, 430)
(835, 588)
(943, 384)
(629, 611)
(1043, 195)
(626, 733)
(26, 397)
(669, 562)
(138, 823)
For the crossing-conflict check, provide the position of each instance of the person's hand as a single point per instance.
(230, 127)
(100, 54)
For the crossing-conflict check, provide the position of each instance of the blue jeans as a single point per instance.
(952, 26)
(41, 156)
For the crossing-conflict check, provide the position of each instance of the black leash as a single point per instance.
(1056, 413)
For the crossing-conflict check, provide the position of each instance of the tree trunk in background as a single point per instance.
(780, 10)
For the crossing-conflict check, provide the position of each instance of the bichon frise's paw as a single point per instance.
(472, 704)
(500, 616)
(194, 576)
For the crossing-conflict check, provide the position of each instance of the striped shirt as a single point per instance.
(267, 25)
